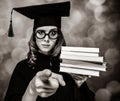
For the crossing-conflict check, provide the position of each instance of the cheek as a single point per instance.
(38, 43)
(53, 42)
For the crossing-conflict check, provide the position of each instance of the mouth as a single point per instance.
(45, 45)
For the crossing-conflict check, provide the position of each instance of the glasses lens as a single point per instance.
(53, 34)
(40, 34)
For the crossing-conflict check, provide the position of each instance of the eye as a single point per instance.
(53, 34)
(40, 34)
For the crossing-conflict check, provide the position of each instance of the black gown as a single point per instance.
(23, 74)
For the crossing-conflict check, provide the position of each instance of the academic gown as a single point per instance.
(23, 74)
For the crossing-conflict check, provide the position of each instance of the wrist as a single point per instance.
(29, 95)
(31, 91)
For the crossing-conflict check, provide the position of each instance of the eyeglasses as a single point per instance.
(52, 34)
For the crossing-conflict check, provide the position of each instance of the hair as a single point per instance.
(54, 52)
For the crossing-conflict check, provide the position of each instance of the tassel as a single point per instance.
(10, 31)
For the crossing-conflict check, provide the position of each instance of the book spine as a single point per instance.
(80, 71)
(79, 62)
(80, 49)
(82, 58)
(79, 53)
(100, 68)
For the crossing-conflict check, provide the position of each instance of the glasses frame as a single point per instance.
(47, 34)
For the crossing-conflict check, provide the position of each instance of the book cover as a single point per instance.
(80, 71)
(80, 49)
(82, 58)
(97, 68)
(79, 53)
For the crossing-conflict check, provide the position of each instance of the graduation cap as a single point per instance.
(43, 15)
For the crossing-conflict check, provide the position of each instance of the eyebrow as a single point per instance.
(49, 30)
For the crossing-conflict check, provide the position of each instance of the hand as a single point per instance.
(79, 79)
(46, 83)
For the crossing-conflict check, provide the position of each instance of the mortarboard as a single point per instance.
(46, 14)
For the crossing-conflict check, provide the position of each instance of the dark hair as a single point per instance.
(33, 48)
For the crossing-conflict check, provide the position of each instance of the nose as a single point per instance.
(46, 39)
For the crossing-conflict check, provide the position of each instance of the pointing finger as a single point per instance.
(59, 78)
(44, 75)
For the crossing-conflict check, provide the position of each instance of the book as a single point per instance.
(80, 49)
(79, 62)
(80, 71)
(100, 68)
(82, 58)
(79, 53)
(82, 64)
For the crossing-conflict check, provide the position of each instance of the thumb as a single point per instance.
(44, 75)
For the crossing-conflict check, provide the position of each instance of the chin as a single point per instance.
(46, 51)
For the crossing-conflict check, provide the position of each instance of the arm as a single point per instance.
(20, 83)
(45, 83)
(81, 90)
(17, 85)
(29, 95)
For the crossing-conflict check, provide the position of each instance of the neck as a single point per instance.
(45, 53)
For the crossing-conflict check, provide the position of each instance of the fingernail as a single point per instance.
(48, 72)
(63, 83)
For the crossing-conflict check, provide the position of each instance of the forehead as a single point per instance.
(46, 28)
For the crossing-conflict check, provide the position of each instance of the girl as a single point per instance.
(37, 78)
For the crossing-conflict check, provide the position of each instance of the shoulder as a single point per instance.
(22, 62)
(22, 70)
(21, 66)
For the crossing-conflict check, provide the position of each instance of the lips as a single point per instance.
(45, 45)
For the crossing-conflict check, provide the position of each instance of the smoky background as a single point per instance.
(92, 23)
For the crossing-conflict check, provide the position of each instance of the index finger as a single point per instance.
(44, 75)
(59, 78)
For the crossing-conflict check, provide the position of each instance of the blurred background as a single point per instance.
(92, 23)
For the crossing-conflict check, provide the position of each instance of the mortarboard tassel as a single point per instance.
(10, 31)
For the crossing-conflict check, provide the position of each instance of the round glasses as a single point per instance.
(52, 34)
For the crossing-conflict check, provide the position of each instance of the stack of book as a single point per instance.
(81, 60)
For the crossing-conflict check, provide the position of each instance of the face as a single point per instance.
(46, 37)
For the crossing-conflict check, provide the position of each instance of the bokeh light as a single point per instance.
(18, 54)
(54, 1)
(90, 6)
(9, 66)
(112, 56)
(23, 43)
(4, 45)
(112, 26)
(96, 32)
(76, 17)
(2, 32)
(102, 95)
(1, 57)
(113, 87)
(88, 42)
(18, 23)
(97, 2)
(27, 2)
(29, 33)
(98, 12)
